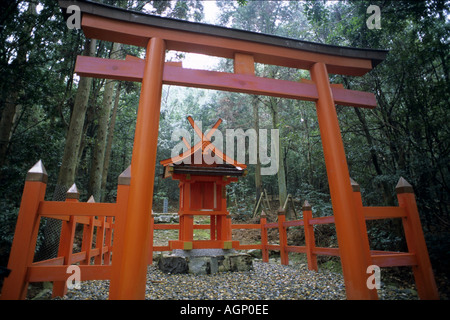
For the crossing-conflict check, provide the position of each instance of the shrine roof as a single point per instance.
(219, 170)
(204, 153)
(199, 151)
(222, 165)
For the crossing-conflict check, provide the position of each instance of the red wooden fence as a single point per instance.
(94, 259)
(107, 220)
(416, 257)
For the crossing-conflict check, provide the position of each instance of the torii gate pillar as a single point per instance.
(129, 277)
(354, 256)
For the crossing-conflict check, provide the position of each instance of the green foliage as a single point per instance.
(242, 2)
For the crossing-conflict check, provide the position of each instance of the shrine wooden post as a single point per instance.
(123, 192)
(284, 256)
(310, 242)
(27, 226)
(66, 239)
(423, 272)
(265, 252)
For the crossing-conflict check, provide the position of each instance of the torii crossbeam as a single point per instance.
(157, 35)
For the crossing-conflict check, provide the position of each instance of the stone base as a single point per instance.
(203, 244)
(172, 264)
(204, 261)
(203, 252)
(166, 218)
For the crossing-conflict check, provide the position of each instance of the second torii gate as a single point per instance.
(157, 35)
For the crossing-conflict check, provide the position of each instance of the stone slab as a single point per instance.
(205, 261)
(202, 252)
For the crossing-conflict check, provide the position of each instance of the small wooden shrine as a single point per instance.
(203, 191)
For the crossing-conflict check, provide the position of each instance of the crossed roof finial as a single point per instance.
(204, 144)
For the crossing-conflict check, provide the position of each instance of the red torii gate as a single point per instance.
(246, 48)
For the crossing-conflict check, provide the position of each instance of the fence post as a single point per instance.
(108, 241)
(100, 236)
(212, 227)
(265, 252)
(283, 237)
(362, 225)
(25, 235)
(423, 272)
(66, 238)
(99, 240)
(123, 188)
(228, 231)
(310, 241)
(86, 244)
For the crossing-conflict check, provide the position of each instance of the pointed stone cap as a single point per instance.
(91, 199)
(125, 177)
(306, 206)
(37, 173)
(355, 185)
(73, 192)
(281, 211)
(403, 186)
(263, 214)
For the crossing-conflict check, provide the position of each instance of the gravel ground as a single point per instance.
(268, 281)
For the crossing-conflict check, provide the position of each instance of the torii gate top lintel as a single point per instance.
(100, 21)
(245, 48)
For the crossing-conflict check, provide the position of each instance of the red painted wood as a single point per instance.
(246, 226)
(293, 223)
(132, 33)
(372, 213)
(393, 259)
(59, 273)
(322, 220)
(174, 75)
(298, 249)
(49, 208)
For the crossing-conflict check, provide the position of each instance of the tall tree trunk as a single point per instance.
(12, 107)
(95, 180)
(282, 190)
(309, 147)
(258, 180)
(67, 171)
(66, 176)
(387, 194)
(109, 141)
(7, 123)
